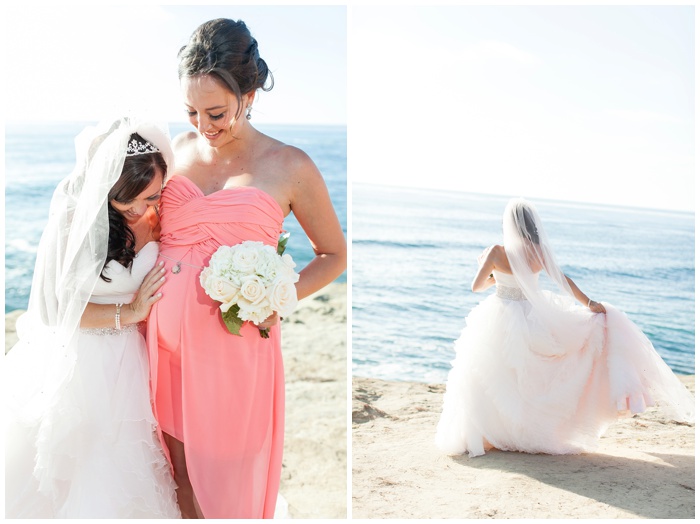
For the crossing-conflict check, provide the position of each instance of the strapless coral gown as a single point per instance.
(511, 387)
(220, 394)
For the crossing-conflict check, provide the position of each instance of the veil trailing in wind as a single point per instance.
(70, 258)
(542, 281)
(568, 327)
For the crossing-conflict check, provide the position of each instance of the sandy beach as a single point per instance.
(643, 468)
(314, 344)
(314, 470)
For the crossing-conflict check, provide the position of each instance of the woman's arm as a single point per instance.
(103, 315)
(487, 263)
(595, 307)
(311, 205)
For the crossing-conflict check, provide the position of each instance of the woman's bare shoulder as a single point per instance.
(186, 153)
(184, 141)
(496, 252)
(290, 156)
(292, 164)
(499, 258)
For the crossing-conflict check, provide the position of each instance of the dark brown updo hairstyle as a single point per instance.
(227, 51)
(137, 174)
(530, 231)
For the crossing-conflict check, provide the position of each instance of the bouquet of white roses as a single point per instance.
(251, 280)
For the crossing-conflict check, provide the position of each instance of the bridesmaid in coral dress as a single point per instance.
(219, 398)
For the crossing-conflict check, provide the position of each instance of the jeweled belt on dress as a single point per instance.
(509, 293)
(129, 328)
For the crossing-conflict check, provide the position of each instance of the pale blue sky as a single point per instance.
(80, 62)
(575, 103)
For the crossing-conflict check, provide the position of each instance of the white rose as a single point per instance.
(283, 296)
(245, 256)
(254, 313)
(288, 261)
(204, 277)
(252, 289)
(221, 289)
(285, 268)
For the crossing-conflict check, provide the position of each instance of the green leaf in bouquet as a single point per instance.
(282, 243)
(233, 323)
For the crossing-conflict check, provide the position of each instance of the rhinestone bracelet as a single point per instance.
(117, 317)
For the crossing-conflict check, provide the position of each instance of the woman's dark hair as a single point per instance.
(137, 174)
(530, 227)
(227, 51)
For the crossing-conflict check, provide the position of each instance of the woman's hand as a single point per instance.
(269, 321)
(596, 307)
(148, 294)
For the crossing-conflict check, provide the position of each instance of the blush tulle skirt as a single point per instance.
(90, 449)
(510, 387)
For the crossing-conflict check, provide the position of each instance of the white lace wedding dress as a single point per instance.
(95, 453)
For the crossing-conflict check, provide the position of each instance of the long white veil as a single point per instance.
(541, 279)
(641, 378)
(70, 258)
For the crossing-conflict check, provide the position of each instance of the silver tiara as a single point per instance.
(134, 147)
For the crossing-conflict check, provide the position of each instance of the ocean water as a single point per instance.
(38, 157)
(414, 257)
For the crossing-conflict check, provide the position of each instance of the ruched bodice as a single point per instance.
(226, 217)
(220, 394)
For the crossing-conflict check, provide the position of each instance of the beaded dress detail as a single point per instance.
(507, 287)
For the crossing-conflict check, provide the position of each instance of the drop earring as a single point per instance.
(248, 109)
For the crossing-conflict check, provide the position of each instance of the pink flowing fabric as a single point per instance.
(220, 394)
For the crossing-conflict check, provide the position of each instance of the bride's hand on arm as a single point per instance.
(103, 315)
(312, 207)
(148, 294)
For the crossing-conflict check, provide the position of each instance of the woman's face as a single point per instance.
(212, 108)
(136, 208)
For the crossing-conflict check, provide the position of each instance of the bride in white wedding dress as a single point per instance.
(80, 435)
(534, 370)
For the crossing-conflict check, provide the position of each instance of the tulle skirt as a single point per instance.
(512, 387)
(93, 452)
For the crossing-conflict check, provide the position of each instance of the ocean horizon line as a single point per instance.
(32, 125)
(545, 200)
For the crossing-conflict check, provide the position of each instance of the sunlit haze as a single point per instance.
(80, 63)
(578, 103)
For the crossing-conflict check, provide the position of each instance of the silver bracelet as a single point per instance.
(589, 302)
(117, 317)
